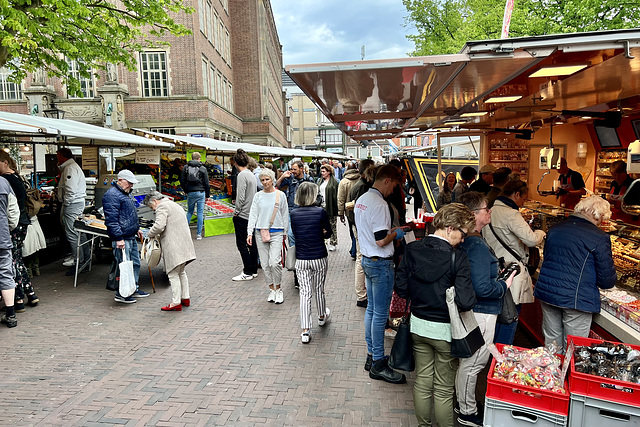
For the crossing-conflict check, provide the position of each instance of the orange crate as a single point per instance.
(530, 397)
(602, 388)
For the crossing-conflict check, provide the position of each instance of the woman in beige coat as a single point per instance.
(172, 229)
(509, 225)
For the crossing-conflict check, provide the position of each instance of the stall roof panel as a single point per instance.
(403, 97)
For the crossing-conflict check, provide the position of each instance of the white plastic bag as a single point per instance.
(127, 278)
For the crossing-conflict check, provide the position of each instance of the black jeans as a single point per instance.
(248, 253)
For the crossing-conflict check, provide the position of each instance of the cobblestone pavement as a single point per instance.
(80, 358)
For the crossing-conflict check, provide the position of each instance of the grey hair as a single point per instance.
(153, 196)
(269, 173)
(195, 156)
(306, 194)
(595, 206)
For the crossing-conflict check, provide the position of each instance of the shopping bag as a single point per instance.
(401, 356)
(113, 279)
(290, 260)
(509, 313)
(127, 277)
(151, 251)
(466, 337)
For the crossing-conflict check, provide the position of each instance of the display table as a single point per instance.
(218, 217)
(93, 233)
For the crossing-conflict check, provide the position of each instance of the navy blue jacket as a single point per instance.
(120, 214)
(484, 273)
(310, 226)
(577, 261)
(292, 184)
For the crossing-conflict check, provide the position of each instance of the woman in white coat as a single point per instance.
(509, 226)
(172, 229)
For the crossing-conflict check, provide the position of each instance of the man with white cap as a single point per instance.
(484, 181)
(121, 219)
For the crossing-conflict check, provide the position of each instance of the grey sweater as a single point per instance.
(246, 186)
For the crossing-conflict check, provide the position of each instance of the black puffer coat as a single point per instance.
(310, 226)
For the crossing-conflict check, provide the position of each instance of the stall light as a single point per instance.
(476, 114)
(586, 117)
(497, 99)
(455, 122)
(558, 70)
(6, 149)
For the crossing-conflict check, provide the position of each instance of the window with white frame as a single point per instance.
(212, 82)
(215, 38)
(202, 15)
(86, 84)
(153, 66)
(221, 48)
(225, 97)
(166, 131)
(227, 46)
(9, 90)
(209, 22)
(219, 87)
(205, 76)
(230, 97)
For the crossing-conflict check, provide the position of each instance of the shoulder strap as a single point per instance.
(504, 245)
(453, 266)
(275, 209)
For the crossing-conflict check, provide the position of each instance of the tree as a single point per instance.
(444, 26)
(44, 34)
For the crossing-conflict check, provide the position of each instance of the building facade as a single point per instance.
(223, 81)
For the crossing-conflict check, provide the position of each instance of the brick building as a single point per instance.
(223, 81)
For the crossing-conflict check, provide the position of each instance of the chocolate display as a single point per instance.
(608, 360)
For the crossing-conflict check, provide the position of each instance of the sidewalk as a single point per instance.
(80, 358)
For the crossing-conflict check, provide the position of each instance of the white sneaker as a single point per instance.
(272, 296)
(279, 296)
(327, 316)
(199, 237)
(243, 277)
(331, 248)
(305, 337)
(69, 262)
(255, 275)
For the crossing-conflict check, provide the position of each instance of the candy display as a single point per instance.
(538, 368)
(608, 360)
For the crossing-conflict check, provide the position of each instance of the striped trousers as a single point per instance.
(311, 275)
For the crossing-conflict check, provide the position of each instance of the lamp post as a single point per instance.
(54, 112)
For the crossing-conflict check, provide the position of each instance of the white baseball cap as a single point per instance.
(127, 175)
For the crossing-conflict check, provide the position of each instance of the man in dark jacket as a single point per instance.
(121, 219)
(195, 182)
(483, 183)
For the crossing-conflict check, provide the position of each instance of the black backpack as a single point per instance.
(193, 175)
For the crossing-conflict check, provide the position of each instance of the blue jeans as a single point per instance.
(131, 249)
(193, 198)
(352, 251)
(506, 333)
(379, 280)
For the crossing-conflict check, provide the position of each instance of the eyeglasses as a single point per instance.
(464, 235)
(486, 208)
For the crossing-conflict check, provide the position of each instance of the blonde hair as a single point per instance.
(454, 215)
(595, 206)
(5, 157)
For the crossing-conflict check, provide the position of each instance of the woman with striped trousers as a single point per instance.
(310, 226)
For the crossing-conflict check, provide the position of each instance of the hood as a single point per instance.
(352, 175)
(439, 259)
(196, 163)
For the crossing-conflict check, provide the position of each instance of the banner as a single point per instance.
(425, 172)
(506, 19)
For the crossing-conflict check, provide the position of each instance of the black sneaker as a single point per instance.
(127, 300)
(380, 370)
(368, 363)
(479, 408)
(11, 321)
(472, 420)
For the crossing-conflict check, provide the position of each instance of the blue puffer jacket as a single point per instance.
(120, 215)
(310, 226)
(577, 261)
(484, 272)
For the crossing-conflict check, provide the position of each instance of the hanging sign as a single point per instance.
(307, 160)
(148, 156)
(90, 158)
(203, 154)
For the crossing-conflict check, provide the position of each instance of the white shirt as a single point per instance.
(323, 192)
(372, 215)
(72, 187)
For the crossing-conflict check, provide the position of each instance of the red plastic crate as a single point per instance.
(530, 397)
(608, 389)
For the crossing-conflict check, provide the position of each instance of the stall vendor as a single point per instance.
(571, 186)
(619, 186)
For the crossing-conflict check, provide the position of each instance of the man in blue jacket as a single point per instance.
(121, 219)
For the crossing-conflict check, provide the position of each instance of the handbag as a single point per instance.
(265, 235)
(290, 260)
(401, 356)
(151, 251)
(113, 278)
(466, 337)
(534, 254)
(509, 313)
(33, 202)
(127, 278)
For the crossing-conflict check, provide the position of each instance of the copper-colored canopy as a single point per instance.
(403, 97)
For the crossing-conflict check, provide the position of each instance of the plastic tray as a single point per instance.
(591, 412)
(501, 414)
(599, 387)
(529, 397)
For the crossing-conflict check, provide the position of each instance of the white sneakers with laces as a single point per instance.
(243, 277)
(325, 320)
(279, 296)
(272, 296)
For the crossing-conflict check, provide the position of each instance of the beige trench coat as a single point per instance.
(172, 229)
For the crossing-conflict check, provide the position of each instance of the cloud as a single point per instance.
(335, 30)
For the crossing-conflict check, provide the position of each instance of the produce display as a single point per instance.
(212, 208)
(538, 368)
(608, 360)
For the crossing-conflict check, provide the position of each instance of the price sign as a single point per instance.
(148, 156)
(90, 158)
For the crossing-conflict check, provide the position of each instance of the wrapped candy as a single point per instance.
(608, 360)
(538, 368)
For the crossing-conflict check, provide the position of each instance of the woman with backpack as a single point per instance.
(24, 288)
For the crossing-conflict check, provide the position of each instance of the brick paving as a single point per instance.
(80, 358)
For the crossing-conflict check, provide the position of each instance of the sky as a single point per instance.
(313, 31)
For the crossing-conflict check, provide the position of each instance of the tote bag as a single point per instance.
(401, 356)
(151, 251)
(509, 313)
(466, 337)
(127, 277)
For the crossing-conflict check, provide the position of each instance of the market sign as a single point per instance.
(148, 156)
(90, 158)
(334, 150)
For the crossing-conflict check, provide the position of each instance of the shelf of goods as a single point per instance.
(603, 175)
(511, 153)
(218, 216)
(620, 315)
